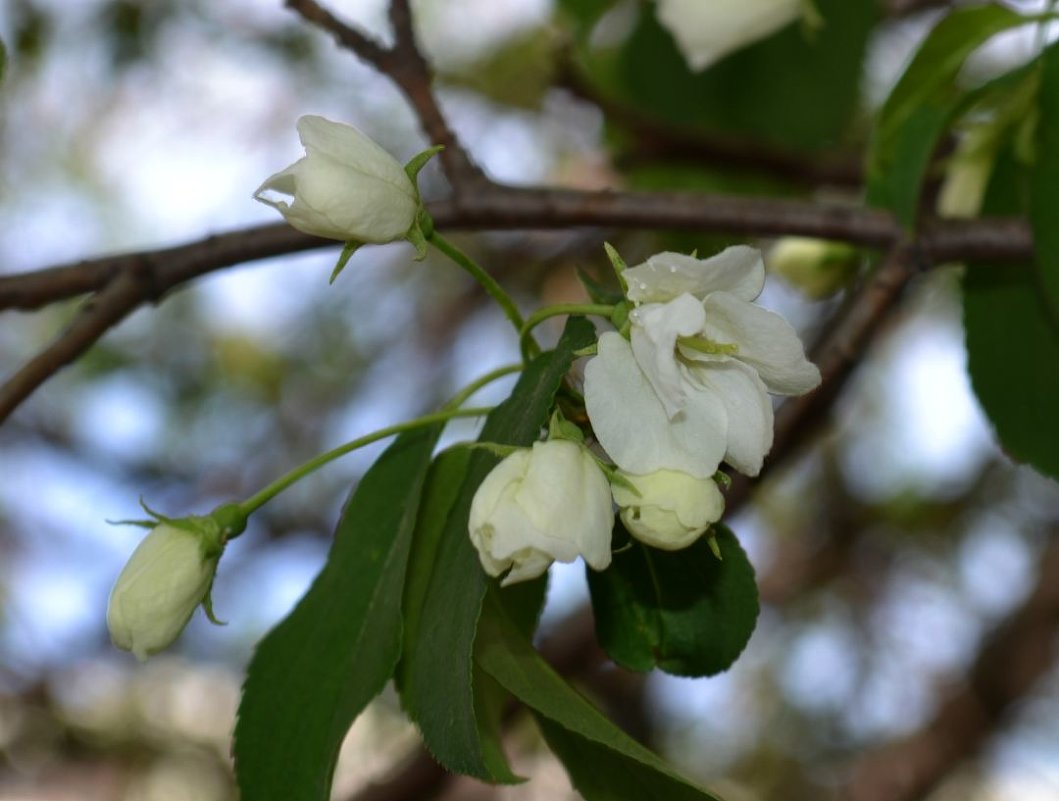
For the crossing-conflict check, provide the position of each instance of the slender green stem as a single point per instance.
(259, 499)
(489, 284)
(461, 397)
(545, 312)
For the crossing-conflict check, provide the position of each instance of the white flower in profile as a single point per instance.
(541, 504)
(166, 578)
(346, 187)
(708, 30)
(691, 386)
(669, 509)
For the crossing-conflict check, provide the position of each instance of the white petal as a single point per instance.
(349, 146)
(708, 30)
(765, 340)
(748, 410)
(632, 425)
(655, 329)
(738, 269)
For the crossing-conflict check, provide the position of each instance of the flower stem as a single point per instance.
(525, 339)
(461, 397)
(489, 284)
(260, 498)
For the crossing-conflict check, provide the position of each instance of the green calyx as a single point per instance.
(561, 428)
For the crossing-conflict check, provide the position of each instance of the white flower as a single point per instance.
(708, 30)
(165, 579)
(691, 386)
(549, 502)
(346, 187)
(672, 510)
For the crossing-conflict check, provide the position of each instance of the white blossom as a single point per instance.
(672, 509)
(165, 579)
(708, 30)
(538, 505)
(346, 187)
(691, 386)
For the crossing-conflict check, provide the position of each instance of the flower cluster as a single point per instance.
(683, 386)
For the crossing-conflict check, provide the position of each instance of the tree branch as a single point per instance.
(405, 66)
(837, 353)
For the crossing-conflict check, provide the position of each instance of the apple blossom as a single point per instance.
(708, 30)
(346, 187)
(541, 504)
(166, 578)
(672, 509)
(691, 385)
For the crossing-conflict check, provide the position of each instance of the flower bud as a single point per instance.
(542, 504)
(672, 510)
(166, 578)
(346, 187)
(818, 268)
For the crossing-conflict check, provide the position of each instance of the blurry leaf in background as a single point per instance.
(757, 91)
(922, 105)
(316, 671)
(1044, 186)
(1012, 339)
(604, 763)
(518, 73)
(435, 677)
(686, 612)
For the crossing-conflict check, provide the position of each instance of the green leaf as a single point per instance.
(1044, 205)
(604, 763)
(686, 612)
(922, 105)
(447, 584)
(315, 671)
(1012, 340)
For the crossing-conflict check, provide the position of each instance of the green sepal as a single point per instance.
(343, 258)
(561, 428)
(207, 607)
(619, 265)
(589, 350)
(419, 161)
(598, 292)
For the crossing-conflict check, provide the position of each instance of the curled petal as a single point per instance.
(738, 269)
(655, 329)
(631, 423)
(765, 340)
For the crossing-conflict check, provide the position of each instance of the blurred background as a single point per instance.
(889, 555)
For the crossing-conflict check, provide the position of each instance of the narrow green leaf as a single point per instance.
(922, 105)
(1012, 340)
(315, 671)
(1044, 207)
(604, 763)
(686, 612)
(447, 583)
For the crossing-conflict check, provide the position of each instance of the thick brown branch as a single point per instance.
(494, 207)
(95, 318)
(1007, 667)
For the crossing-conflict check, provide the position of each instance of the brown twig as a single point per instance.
(404, 64)
(837, 353)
